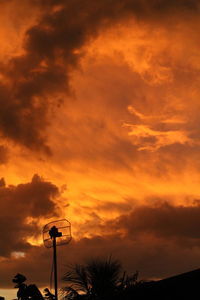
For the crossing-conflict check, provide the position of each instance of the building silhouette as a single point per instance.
(180, 287)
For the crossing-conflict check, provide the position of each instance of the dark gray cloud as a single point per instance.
(18, 203)
(163, 220)
(52, 48)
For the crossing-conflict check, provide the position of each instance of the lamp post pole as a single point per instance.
(53, 232)
(55, 268)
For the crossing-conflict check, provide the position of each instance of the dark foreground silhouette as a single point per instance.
(180, 287)
(26, 292)
(102, 280)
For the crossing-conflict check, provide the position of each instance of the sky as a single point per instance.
(100, 124)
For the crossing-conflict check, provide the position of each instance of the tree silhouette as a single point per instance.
(98, 279)
(26, 292)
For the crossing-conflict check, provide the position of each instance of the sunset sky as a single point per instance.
(100, 124)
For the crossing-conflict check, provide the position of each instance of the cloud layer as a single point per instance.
(22, 207)
(111, 89)
(52, 48)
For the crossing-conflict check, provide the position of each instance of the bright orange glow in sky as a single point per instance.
(99, 124)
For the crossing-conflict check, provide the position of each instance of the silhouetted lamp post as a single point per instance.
(55, 234)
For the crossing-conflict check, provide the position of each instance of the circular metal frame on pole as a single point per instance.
(62, 225)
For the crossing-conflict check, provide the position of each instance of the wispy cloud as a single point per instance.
(145, 137)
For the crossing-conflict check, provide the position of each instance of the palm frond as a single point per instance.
(103, 275)
(77, 278)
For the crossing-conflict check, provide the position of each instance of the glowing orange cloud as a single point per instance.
(105, 108)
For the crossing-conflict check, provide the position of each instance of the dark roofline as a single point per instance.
(192, 275)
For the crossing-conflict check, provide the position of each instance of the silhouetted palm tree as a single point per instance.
(98, 279)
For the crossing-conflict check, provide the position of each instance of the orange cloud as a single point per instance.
(105, 106)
